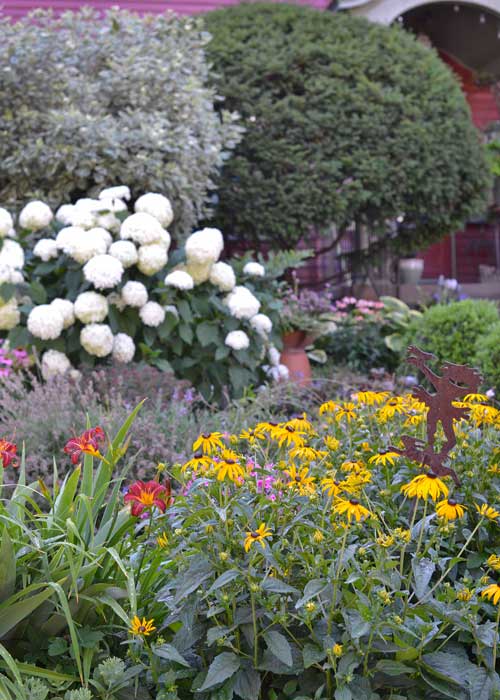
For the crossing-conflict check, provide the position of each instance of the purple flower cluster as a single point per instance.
(12, 360)
(310, 302)
(265, 483)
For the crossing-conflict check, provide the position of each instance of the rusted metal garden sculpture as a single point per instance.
(455, 382)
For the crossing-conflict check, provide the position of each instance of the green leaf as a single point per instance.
(186, 333)
(169, 652)
(423, 570)
(224, 579)
(222, 667)
(222, 352)
(393, 668)
(57, 647)
(247, 683)
(184, 311)
(199, 570)
(279, 646)
(312, 655)
(343, 693)
(274, 585)
(7, 566)
(37, 292)
(11, 614)
(311, 589)
(207, 333)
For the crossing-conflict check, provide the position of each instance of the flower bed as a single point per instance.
(300, 558)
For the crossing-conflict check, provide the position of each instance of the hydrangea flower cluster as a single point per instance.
(124, 288)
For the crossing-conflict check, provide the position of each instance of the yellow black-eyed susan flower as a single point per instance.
(345, 410)
(493, 562)
(208, 443)
(257, 535)
(328, 407)
(449, 509)
(425, 485)
(306, 453)
(492, 593)
(162, 541)
(384, 458)
(300, 480)
(198, 461)
(331, 486)
(141, 628)
(252, 435)
(300, 422)
(228, 466)
(385, 540)
(287, 435)
(487, 511)
(464, 595)
(352, 508)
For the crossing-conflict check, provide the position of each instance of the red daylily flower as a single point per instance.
(148, 494)
(87, 442)
(8, 454)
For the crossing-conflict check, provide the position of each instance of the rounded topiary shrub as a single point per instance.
(488, 357)
(345, 121)
(451, 331)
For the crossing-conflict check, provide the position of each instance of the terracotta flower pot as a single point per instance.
(295, 358)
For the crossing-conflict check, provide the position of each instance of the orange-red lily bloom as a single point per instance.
(87, 442)
(8, 454)
(147, 494)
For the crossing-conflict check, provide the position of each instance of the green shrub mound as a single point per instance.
(451, 331)
(488, 356)
(89, 101)
(346, 121)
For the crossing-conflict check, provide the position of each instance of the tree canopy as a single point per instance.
(346, 121)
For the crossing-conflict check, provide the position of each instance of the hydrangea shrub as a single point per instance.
(116, 96)
(101, 284)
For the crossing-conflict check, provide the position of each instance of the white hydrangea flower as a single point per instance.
(64, 214)
(222, 276)
(10, 275)
(97, 339)
(237, 340)
(199, 273)
(72, 215)
(123, 348)
(66, 309)
(54, 363)
(103, 271)
(152, 314)
(254, 269)
(9, 314)
(204, 246)
(165, 240)
(279, 373)
(12, 254)
(262, 324)
(171, 309)
(274, 356)
(180, 280)
(46, 249)
(157, 205)
(125, 252)
(93, 242)
(110, 206)
(152, 258)
(68, 237)
(35, 216)
(242, 303)
(108, 221)
(6, 223)
(91, 307)
(116, 192)
(142, 228)
(45, 322)
(134, 294)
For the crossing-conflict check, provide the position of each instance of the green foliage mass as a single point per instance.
(451, 331)
(345, 121)
(88, 101)
(488, 356)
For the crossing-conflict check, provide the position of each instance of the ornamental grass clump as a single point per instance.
(299, 557)
(101, 283)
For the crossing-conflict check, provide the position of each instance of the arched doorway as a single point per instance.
(467, 37)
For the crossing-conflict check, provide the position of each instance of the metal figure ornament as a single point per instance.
(455, 382)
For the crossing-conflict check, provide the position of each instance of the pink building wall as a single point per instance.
(18, 8)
